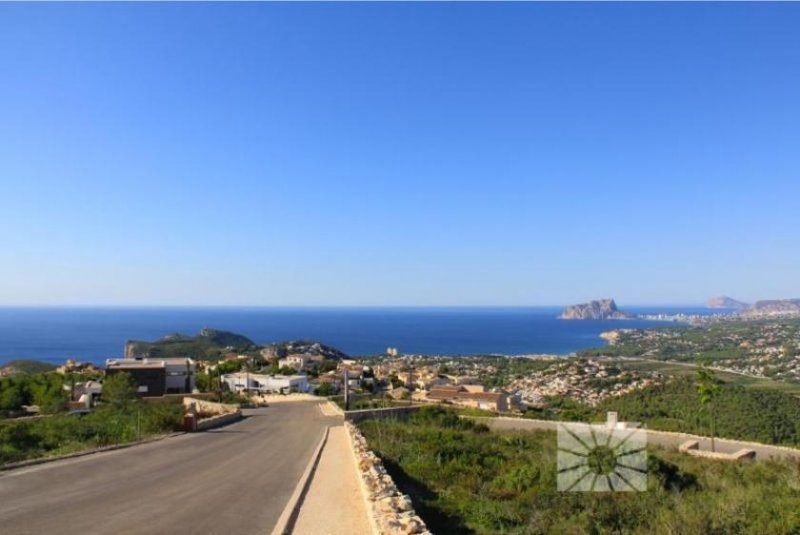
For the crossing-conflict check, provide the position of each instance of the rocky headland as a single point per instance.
(601, 309)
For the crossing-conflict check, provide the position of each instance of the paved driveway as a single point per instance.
(232, 480)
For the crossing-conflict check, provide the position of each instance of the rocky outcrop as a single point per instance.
(602, 309)
(208, 343)
(392, 511)
(723, 301)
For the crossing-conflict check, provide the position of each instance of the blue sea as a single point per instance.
(94, 334)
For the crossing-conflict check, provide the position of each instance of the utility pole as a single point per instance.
(346, 390)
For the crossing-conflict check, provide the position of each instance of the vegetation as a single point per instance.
(740, 413)
(119, 390)
(44, 390)
(770, 417)
(30, 438)
(464, 479)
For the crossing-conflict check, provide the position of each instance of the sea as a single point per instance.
(54, 334)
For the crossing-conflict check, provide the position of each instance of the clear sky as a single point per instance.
(385, 154)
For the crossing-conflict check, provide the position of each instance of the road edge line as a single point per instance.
(44, 460)
(288, 517)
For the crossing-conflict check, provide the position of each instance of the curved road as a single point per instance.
(235, 479)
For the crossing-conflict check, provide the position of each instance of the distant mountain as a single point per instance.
(602, 309)
(775, 307)
(723, 301)
(207, 344)
(15, 367)
(305, 347)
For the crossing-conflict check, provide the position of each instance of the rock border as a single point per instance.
(390, 511)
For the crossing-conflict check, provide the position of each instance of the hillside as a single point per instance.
(775, 307)
(14, 367)
(305, 347)
(208, 344)
(675, 406)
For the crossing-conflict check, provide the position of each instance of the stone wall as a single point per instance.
(391, 511)
(209, 407)
(218, 420)
(388, 412)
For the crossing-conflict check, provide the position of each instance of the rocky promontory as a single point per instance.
(602, 309)
(724, 301)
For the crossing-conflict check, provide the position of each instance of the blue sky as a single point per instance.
(398, 154)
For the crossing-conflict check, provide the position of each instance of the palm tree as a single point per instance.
(708, 389)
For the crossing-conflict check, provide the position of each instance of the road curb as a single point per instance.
(43, 460)
(290, 513)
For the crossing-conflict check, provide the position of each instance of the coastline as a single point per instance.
(95, 334)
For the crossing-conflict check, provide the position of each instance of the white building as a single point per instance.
(238, 382)
(298, 361)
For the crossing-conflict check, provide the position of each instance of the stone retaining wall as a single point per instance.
(209, 407)
(391, 512)
(218, 420)
(387, 412)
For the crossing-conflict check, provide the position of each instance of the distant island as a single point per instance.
(601, 309)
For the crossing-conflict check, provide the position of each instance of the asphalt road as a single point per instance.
(232, 480)
(666, 440)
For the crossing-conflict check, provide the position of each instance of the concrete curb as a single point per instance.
(289, 515)
(43, 460)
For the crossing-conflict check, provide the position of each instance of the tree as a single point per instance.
(119, 389)
(325, 389)
(708, 389)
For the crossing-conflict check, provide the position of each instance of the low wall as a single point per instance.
(372, 414)
(209, 407)
(390, 511)
(178, 398)
(219, 420)
(668, 439)
(692, 447)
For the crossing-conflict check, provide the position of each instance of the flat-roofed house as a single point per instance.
(150, 377)
(473, 398)
(261, 383)
(156, 377)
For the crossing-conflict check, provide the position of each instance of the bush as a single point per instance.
(465, 480)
